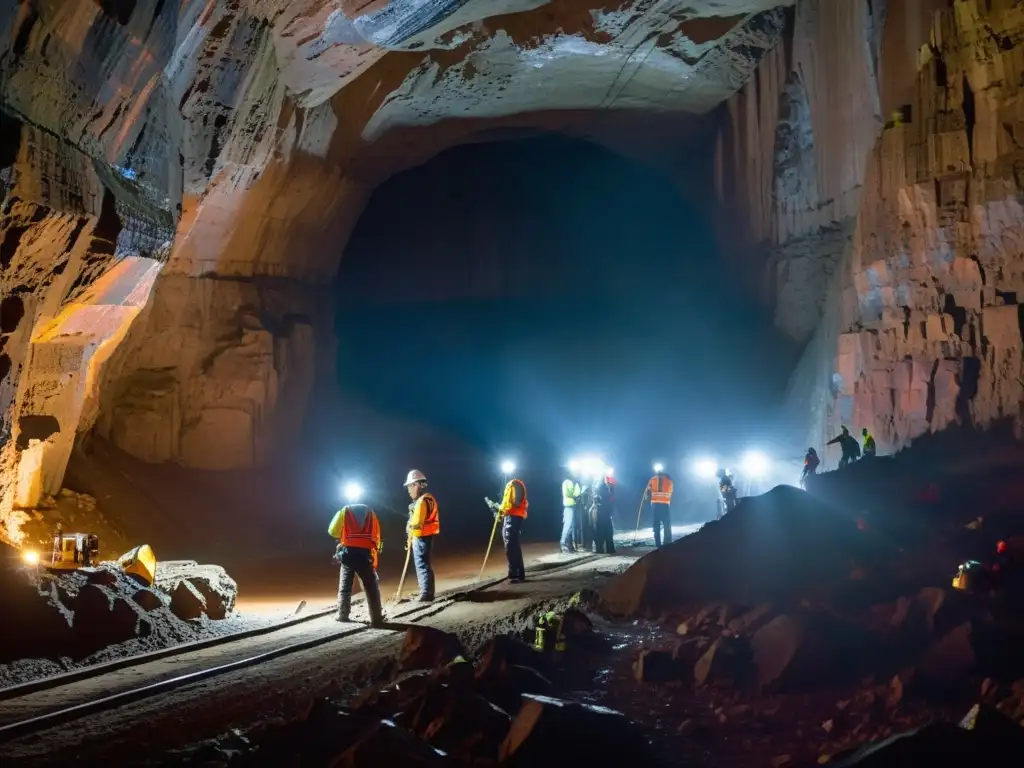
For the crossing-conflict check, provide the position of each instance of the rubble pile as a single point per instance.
(834, 597)
(785, 544)
(70, 616)
(441, 708)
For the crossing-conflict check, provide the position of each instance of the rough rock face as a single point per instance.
(885, 210)
(179, 177)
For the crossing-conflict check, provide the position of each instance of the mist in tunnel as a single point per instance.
(540, 297)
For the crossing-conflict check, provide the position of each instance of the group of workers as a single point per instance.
(851, 452)
(587, 525)
(588, 514)
(357, 529)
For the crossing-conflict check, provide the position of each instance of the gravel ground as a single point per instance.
(286, 685)
(26, 670)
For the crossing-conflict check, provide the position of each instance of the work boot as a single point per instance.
(425, 599)
(344, 608)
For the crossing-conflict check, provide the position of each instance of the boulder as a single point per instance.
(218, 589)
(949, 659)
(654, 666)
(501, 651)
(940, 744)
(507, 690)
(543, 727)
(469, 727)
(386, 744)
(186, 602)
(727, 659)
(428, 648)
(804, 650)
(147, 599)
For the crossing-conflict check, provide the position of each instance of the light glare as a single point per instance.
(609, 471)
(705, 469)
(31, 557)
(353, 492)
(508, 467)
(659, 467)
(755, 464)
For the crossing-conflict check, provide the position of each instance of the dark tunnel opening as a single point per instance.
(543, 296)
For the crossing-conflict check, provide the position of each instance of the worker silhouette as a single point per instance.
(848, 445)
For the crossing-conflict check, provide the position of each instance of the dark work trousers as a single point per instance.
(568, 519)
(604, 532)
(356, 561)
(578, 513)
(422, 549)
(511, 527)
(662, 519)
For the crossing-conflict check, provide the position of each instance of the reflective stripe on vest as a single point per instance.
(661, 490)
(423, 517)
(508, 505)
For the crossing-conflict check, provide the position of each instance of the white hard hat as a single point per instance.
(415, 476)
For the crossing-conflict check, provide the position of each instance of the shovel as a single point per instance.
(494, 529)
(405, 569)
(638, 513)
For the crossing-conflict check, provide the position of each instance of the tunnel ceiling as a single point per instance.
(181, 179)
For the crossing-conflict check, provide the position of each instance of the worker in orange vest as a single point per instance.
(659, 491)
(513, 510)
(422, 528)
(357, 530)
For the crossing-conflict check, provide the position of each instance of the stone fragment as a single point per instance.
(539, 732)
(653, 666)
(218, 589)
(186, 602)
(426, 647)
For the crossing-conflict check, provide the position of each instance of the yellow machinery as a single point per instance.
(140, 563)
(970, 576)
(74, 550)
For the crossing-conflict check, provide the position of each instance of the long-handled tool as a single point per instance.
(494, 529)
(638, 513)
(405, 568)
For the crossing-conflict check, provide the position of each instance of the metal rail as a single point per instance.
(62, 715)
(94, 670)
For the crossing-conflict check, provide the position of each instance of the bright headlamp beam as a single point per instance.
(31, 557)
(659, 467)
(705, 469)
(353, 492)
(507, 467)
(755, 464)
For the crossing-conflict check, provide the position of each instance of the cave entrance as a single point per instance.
(538, 296)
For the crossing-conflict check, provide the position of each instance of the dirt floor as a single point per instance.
(274, 689)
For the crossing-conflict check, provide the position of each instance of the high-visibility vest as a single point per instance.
(869, 443)
(356, 526)
(661, 489)
(508, 505)
(423, 519)
(570, 492)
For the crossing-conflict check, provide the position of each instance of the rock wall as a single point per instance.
(886, 219)
(195, 169)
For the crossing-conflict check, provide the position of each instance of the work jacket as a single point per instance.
(514, 501)
(660, 487)
(356, 526)
(570, 492)
(869, 444)
(423, 519)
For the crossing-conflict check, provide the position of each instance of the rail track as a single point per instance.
(406, 614)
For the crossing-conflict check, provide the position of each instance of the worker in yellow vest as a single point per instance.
(422, 528)
(659, 490)
(572, 504)
(513, 510)
(357, 530)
